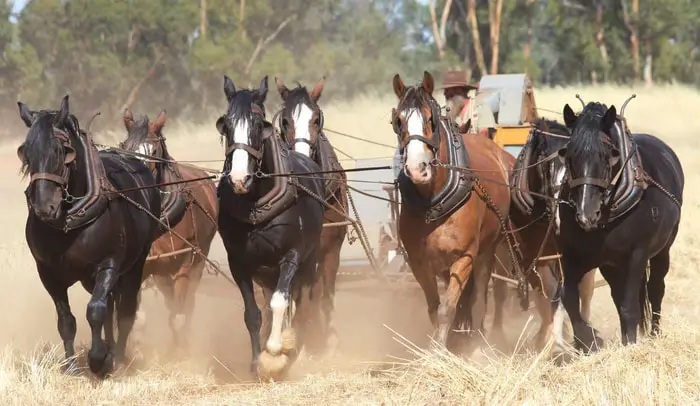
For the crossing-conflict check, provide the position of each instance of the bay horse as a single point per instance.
(270, 226)
(623, 195)
(301, 126)
(176, 269)
(455, 219)
(85, 224)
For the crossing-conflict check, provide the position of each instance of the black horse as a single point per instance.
(270, 226)
(81, 228)
(623, 195)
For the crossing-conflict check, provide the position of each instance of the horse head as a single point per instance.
(48, 155)
(590, 158)
(242, 127)
(145, 138)
(416, 122)
(548, 137)
(301, 119)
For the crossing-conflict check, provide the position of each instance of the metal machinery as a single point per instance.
(507, 103)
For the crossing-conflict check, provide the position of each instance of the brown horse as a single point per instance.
(175, 268)
(456, 201)
(450, 224)
(301, 126)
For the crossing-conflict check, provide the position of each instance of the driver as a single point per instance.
(458, 95)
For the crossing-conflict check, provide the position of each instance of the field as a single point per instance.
(376, 326)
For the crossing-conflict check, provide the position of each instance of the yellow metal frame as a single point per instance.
(511, 135)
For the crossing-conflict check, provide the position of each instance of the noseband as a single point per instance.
(61, 180)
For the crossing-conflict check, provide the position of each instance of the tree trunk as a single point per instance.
(476, 39)
(600, 38)
(495, 26)
(241, 18)
(648, 77)
(436, 30)
(203, 18)
(633, 30)
(527, 46)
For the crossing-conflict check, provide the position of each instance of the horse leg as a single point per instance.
(429, 285)
(328, 271)
(547, 308)
(66, 321)
(656, 286)
(184, 289)
(586, 288)
(99, 357)
(109, 324)
(276, 360)
(459, 274)
(500, 294)
(166, 286)
(129, 287)
(251, 313)
(630, 311)
(585, 337)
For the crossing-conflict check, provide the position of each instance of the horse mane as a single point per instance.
(415, 95)
(585, 142)
(137, 133)
(544, 144)
(298, 95)
(41, 146)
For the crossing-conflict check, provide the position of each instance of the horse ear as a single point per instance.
(221, 125)
(63, 112)
(318, 89)
(262, 89)
(608, 119)
(159, 122)
(281, 88)
(569, 117)
(229, 88)
(399, 87)
(128, 119)
(428, 83)
(25, 114)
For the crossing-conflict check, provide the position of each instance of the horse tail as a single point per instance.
(644, 303)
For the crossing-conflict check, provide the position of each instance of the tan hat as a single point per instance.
(456, 78)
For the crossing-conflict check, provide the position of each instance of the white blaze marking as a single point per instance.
(558, 179)
(239, 160)
(278, 304)
(145, 148)
(302, 118)
(415, 150)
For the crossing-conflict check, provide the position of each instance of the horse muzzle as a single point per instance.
(240, 183)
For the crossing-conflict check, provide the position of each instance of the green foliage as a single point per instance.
(152, 54)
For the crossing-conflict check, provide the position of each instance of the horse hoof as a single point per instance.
(272, 367)
(101, 365)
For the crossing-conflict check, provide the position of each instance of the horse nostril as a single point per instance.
(423, 166)
(247, 180)
(52, 207)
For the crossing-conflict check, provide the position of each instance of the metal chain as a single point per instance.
(194, 248)
(662, 189)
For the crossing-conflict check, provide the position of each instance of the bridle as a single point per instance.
(291, 143)
(433, 143)
(255, 153)
(62, 179)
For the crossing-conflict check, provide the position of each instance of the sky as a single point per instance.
(18, 5)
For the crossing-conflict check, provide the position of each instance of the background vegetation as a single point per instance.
(172, 54)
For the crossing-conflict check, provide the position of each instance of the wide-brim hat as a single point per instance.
(456, 78)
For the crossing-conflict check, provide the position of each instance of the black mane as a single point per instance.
(544, 144)
(241, 107)
(137, 133)
(416, 97)
(585, 143)
(298, 95)
(42, 151)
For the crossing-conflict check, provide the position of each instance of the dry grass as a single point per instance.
(659, 372)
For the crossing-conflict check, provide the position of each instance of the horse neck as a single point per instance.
(78, 182)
